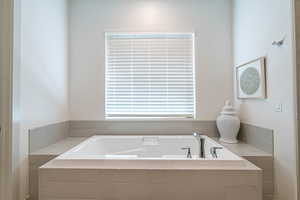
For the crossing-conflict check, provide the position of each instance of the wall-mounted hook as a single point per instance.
(278, 43)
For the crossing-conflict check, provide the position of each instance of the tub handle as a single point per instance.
(213, 151)
(189, 154)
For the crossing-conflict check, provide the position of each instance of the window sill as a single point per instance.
(149, 119)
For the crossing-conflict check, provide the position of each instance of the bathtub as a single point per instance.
(149, 167)
(151, 151)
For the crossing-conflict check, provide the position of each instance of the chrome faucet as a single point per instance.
(213, 151)
(189, 154)
(201, 141)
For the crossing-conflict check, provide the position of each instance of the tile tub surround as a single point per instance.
(119, 184)
(44, 136)
(266, 164)
(44, 155)
(262, 138)
(144, 127)
(41, 137)
(249, 133)
(259, 137)
(35, 161)
(137, 184)
(260, 158)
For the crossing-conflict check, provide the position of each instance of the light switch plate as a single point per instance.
(278, 107)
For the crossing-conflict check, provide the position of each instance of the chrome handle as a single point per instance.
(189, 154)
(213, 151)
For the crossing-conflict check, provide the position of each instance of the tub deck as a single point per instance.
(80, 174)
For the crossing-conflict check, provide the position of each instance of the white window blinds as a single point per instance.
(150, 75)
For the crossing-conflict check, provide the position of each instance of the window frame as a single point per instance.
(149, 117)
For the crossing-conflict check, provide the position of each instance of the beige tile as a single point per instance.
(268, 197)
(70, 190)
(146, 184)
(69, 175)
(66, 199)
(35, 163)
(266, 164)
(268, 187)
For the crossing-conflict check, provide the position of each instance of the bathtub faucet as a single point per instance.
(201, 141)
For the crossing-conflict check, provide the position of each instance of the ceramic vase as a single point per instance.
(228, 124)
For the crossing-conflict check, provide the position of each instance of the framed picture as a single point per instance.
(251, 80)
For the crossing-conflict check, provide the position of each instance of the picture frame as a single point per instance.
(251, 79)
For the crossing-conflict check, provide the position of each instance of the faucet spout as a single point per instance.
(201, 141)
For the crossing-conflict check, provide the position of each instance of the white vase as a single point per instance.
(228, 124)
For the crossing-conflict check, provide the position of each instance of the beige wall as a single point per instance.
(209, 19)
(43, 71)
(256, 24)
(297, 26)
(6, 162)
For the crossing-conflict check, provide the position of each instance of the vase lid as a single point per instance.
(228, 109)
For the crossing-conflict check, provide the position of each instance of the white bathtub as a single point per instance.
(148, 167)
(150, 151)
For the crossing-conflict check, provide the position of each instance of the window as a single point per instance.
(150, 75)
